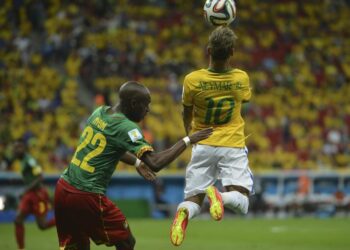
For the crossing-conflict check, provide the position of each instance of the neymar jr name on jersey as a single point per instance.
(219, 85)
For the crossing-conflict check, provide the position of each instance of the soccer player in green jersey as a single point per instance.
(82, 210)
(35, 199)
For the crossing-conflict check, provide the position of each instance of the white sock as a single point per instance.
(236, 201)
(193, 208)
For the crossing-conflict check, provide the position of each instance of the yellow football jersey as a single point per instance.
(217, 99)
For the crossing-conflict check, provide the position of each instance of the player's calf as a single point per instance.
(19, 233)
(236, 201)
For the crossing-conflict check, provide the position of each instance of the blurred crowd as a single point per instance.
(59, 59)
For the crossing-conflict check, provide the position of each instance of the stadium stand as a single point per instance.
(59, 59)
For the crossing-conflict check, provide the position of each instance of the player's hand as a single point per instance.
(200, 135)
(146, 172)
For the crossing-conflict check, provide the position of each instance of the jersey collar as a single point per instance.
(219, 71)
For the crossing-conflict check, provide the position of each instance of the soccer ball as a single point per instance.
(219, 12)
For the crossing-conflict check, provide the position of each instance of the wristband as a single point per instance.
(137, 162)
(186, 140)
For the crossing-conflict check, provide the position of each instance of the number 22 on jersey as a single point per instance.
(92, 139)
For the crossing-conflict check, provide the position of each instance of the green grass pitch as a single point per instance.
(229, 234)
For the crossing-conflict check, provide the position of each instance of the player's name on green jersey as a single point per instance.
(219, 85)
(98, 122)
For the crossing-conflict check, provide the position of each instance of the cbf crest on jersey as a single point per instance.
(135, 135)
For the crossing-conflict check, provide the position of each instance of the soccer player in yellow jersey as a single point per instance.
(213, 98)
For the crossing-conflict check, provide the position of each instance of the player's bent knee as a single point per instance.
(128, 244)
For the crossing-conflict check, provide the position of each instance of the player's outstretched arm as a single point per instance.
(158, 160)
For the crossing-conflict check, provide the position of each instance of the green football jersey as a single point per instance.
(29, 169)
(106, 137)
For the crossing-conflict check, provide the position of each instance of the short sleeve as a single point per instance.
(246, 89)
(133, 140)
(186, 94)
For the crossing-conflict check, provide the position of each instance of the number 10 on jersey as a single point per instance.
(219, 111)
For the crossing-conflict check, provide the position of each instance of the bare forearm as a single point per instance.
(142, 169)
(187, 125)
(128, 158)
(187, 117)
(158, 161)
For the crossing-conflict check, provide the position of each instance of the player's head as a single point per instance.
(19, 148)
(221, 43)
(134, 100)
